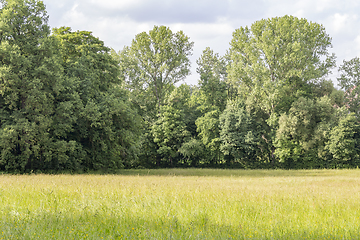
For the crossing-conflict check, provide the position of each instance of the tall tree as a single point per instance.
(155, 61)
(349, 81)
(173, 127)
(275, 62)
(211, 100)
(277, 57)
(30, 83)
(103, 120)
(213, 75)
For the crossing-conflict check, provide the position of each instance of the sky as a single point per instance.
(208, 23)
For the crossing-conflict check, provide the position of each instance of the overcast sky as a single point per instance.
(208, 23)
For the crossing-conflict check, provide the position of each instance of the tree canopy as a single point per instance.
(70, 103)
(156, 61)
(278, 57)
(61, 107)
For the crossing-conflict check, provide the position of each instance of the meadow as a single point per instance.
(182, 204)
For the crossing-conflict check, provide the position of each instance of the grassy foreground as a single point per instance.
(182, 204)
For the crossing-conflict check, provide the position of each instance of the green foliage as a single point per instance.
(344, 142)
(349, 81)
(171, 131)
(68, 102)
(212, 70)
(239, 135)
(24, 24)
(274, 63)
(193, 150)
(211, 101)
(209, 133)
(303, 132)
(277, 57)
(87, 62)
(155, 61)
(61, 103)
(104, 122)
(150, 68)
(31, 81)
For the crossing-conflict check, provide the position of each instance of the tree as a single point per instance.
(194, 152)
(103, 120)
(209, 134)
(274, 63)
(344, 142)
(279, 57)
(211, 101)
(150, 68)
(24, 24)
(349, 81)
(303, 133)
(30, 83)
(212, 83)
(155, 61)
(240, 135)
(172, 129)
(87, 61)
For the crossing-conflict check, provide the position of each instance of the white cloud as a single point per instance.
(343, 22)
(216, 36)
(206, 22)
(120, 4)
(357, 46)
(118, 31)
(74, 16)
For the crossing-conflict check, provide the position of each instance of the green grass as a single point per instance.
(198, 172)
(182, 204)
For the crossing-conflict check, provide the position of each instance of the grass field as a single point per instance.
(182, 204)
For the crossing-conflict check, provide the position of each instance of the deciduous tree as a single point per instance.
(171, 130)
(240, 136)
(303, 133)
(349, 81)
(155, 61)
(275, 62)
(30, 82)
(104, 122)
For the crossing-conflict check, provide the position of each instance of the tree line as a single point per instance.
(69, 103)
